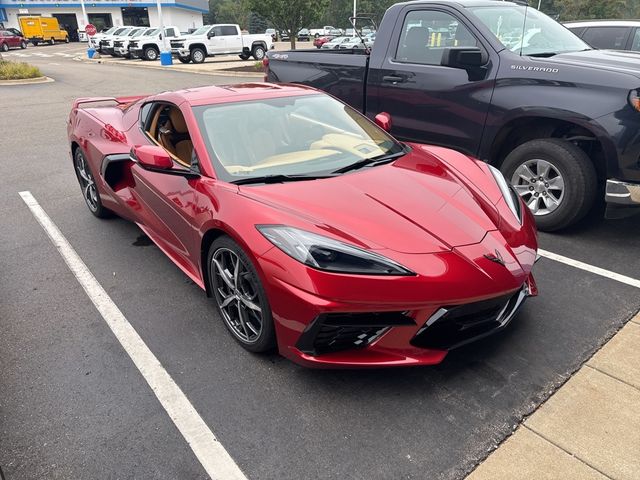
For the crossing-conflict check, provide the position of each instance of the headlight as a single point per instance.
(324, 253)
(509, 194)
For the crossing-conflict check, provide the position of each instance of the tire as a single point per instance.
(316, 35)
(52, 41)
(555, 203)
(35, 43)
(4, 47)
(198, 55)
(23, 45)
(150, 54)
(244, 56)
(246, 290)
(66, 39)
(86, 180)
(258, 52)
(184, 60)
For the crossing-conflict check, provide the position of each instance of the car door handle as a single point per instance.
(394, 79)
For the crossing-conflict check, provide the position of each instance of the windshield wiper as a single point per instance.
(278, 178)
(370, 161)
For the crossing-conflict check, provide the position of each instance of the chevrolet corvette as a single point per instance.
(311, 228)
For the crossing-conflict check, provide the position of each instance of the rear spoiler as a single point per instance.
(118, 100)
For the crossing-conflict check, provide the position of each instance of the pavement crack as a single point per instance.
(612, 377)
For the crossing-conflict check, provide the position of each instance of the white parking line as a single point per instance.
(209, 451)
(590, 268)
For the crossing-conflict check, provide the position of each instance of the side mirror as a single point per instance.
(152, 157)
(211, 34)
(383, 120)
(462, 57)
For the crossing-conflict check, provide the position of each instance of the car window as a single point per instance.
(635, 44)
(613, 38)
(425, 34)
(228, 30)
(170, 32)
(217, 31)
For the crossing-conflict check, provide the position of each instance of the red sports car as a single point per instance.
(313, 230)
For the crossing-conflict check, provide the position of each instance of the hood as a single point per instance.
(415, 205)
(623, 62)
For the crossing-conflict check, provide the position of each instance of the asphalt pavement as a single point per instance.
(73, 405)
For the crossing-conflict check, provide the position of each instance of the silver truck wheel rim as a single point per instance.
(151, 54)
(237, 295)
(87, 184)
(540, 185)
(197, 57)
(259, 53)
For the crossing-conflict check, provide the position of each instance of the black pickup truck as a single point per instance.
(501, 82)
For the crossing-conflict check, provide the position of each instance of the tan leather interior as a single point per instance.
(173, 134)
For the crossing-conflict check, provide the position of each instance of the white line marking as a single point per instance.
(590, 268)
(212, 455)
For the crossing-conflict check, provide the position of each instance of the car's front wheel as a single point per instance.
(239, 295)
(258, 52)
(150, 54)
(4, 47)
(555, 178)
(88, 185)
(198, 55)
(23, 44)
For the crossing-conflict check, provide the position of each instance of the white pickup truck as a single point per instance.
(324, 31)
(222, 39)
(149, 46)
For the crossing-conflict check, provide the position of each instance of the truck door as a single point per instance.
(428, 102)
(232, 38)
(217, 42)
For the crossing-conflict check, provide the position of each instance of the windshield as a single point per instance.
(135, 32)
(141, 32)
(526, 31)
(120, 31)
(304, 135)
(110, 31)
(202, 30)
(151, 32)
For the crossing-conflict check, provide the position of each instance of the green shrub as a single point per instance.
(17, 70)
(258, 65)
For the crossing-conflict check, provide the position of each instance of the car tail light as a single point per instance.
(113, 134)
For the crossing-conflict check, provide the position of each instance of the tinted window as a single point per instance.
(635, 44)
(577, 30)
(170, 32)
(228, 30)
(426, 33)
(606, 37)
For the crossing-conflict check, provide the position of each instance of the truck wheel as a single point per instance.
(35, 43)
(23, 44)
(184, 59)
(150, 54)
(52, 41)
(244, 56)
(258, 52)
(316, 35)
(555, 178)
(66, 39)
(198, 55)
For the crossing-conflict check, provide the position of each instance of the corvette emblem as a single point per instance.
(497, 258)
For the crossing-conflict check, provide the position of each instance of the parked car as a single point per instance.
(608, 34)
(97, 39)
(357, 42)
(309, 239)
(273, 33)
(43, 29)
(304, 35)
(107, 42)
(318, 42)
(11, 40)
(149, 46)
(325, 31)
(121, 44)
(335, 43)
(283, 36)
(211, 40)
(559, 118)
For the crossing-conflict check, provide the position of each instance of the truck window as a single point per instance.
(635, 44)
(217, 31)
(606, 37)
(228, 30)
(426, 33)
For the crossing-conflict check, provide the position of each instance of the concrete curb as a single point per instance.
(174, 68)
(27, 81)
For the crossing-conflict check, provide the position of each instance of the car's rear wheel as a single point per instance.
(258, 52)
(4, 47)
(555, 178)
(198, 55)
(150, 54)
(88, 185)
(240, 296)
(23, 44)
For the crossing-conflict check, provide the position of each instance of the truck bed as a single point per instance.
(342, 73)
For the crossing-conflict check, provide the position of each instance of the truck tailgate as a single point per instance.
(342, 73)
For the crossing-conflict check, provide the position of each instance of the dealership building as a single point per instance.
(184, 14)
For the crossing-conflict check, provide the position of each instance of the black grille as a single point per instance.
(104, 43)
(346, 331)
(133, 45)
(455, 326)
(175, 44)
(117, 44)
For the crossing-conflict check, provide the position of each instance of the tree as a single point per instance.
(289, 15)
(567, 10)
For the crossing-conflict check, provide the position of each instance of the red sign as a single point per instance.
(90, 30)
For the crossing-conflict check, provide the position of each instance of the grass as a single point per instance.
(18, 70)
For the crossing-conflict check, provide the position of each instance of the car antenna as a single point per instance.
(524, 25)
(365, 16)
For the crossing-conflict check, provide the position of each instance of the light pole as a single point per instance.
(354, 17)
(90, 49)
(165, 54)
